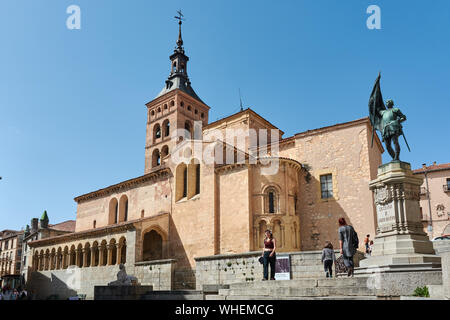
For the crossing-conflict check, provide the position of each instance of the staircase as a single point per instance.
(301, 289)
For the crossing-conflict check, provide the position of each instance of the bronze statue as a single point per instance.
(386, 120)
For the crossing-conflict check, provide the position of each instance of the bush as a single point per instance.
(421, 292)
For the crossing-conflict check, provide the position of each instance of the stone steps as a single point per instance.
(218, 297)
(303, 289)
(174, 295)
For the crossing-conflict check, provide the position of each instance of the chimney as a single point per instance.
(34, 224)
(434, 163)
(424, 165)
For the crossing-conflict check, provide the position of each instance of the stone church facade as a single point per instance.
(158, 223)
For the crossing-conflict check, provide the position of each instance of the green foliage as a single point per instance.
(229, 264)
(422, 292)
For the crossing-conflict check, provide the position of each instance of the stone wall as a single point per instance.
(234, 268)
(72, 281)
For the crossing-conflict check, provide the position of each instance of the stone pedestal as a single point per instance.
(400, 244)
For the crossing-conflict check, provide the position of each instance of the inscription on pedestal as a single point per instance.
(386, 216)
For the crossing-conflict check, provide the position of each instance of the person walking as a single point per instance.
(269, 256)
(348, 243)
(367, 243)
(328, 257)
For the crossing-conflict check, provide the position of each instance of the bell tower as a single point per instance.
(177, 106)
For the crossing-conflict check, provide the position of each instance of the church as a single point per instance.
(204, 195)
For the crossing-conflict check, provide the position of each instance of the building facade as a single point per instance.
(214, 188)
(41, 229)
(11, 252)
(435, 198)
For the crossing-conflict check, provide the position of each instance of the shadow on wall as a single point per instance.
(43, 287)
(319, 217)
(184, 275)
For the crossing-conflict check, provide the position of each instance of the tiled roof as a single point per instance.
(68, 226)
(433, 167)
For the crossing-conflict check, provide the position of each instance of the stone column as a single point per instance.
(400, 239)
(77, 257)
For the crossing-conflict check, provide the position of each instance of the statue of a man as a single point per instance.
(386, 120)
(122, 278)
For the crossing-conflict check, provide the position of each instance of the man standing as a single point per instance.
(348, 243)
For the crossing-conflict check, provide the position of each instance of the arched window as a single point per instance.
(164, 151)
(123, 250)
(87, 254)
(188, 132)
(72, 256)
(193, 178)
(80, 256)
(104, 253)
(197, 179)
(271, 200)
(123, 208)
(262, 230)
(113, 251)
(156, 158)
(166, 126)
(113, 211)
(156, 131)
(185, 182)
(152, 246)
(181, 181)
(94, 224)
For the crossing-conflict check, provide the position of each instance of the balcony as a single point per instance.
(446, 187)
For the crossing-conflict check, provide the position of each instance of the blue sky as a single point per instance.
(72, 102)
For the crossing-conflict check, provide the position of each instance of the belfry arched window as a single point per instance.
(166, 128)
(156, 158)
(157, 131)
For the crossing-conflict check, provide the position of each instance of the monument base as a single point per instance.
(403, 257)
(121, 292)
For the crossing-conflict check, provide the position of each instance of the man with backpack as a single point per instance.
(348, 243)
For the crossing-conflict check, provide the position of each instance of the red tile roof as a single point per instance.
(68, 226)
(433, 167)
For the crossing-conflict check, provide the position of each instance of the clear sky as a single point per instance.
(72, 102)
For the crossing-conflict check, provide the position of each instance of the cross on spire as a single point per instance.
(180, 19)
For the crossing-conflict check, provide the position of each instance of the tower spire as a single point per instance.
(180, 39)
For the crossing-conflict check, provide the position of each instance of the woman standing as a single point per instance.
(269, 256)
(348, 242)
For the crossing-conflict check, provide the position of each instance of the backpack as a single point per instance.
(355, 239)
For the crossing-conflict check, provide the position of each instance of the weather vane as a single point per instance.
(180, 17)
